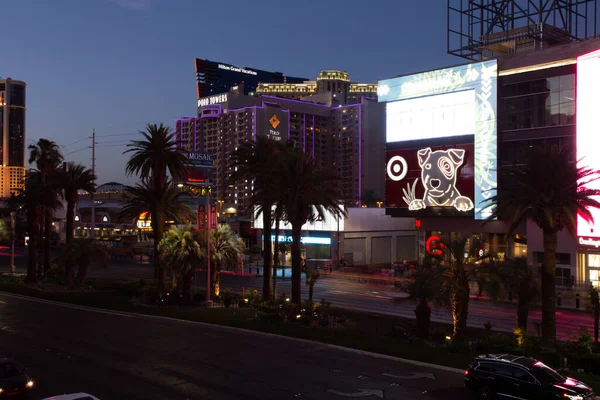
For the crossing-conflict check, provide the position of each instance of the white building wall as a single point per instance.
(371, 237)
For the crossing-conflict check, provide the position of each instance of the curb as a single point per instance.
(232, 329)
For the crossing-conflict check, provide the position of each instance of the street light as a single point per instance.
(12, 247)
(379, 203)
(220, 205)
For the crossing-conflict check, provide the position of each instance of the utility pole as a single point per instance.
(93, 218)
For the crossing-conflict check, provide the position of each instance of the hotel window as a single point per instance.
(539, 103)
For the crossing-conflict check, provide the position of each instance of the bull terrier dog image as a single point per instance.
(438, 176)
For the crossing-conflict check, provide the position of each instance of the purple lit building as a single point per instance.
(348, 138)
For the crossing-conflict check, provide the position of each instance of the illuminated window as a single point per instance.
(594, 278)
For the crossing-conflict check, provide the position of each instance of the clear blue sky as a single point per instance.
(115, 65)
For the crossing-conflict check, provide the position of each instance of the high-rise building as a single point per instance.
(331, 87)
(213, 77)
(349, 139)
(12, 140)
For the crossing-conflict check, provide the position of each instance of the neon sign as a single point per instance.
(216, 99)
(434, 246)
(303, 239)
(237, 69)
(590, 242)
(439, 170)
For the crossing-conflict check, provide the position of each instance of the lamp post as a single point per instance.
(220, 206)
(379, 203)
(12, 247)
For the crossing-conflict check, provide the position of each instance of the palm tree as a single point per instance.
(370, 198)
(309, 192)
(424, 285)
(160, 204)
(153, 159)
(181, 252)
(549, 189)
(461, 259)
(225, 252)
(256, 161)
(85, 252)
(31, 198)
(276, 252)
(155, 156)
(519, 278)
(47, 157)
(71, 178)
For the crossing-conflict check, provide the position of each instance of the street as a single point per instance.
(121, 356)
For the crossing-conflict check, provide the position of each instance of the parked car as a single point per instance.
(14, 381)
(72, 396)
(516, 377)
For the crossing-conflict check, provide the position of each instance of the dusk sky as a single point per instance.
(116, 65)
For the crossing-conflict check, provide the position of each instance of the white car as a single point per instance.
(72, 396)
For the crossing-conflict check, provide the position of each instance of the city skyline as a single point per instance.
(102, 65)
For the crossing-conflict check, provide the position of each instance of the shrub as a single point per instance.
(269, 313)
(227, 298)
(55, 274)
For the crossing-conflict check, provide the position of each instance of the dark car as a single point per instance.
(14, 381)
(515, 377)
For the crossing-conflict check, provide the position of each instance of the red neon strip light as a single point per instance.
(195, 180)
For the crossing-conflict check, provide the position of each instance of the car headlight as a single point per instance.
(576, 397)
(29, 384)
(1, 390)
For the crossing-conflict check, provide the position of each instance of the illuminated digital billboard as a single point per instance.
(588, 88)
(328, 224)
(431, 181)
(451, 106)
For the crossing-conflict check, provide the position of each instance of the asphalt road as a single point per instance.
(120, 356)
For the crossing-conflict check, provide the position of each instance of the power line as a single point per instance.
(112, 145)
(79, 141)
(76, 151)
(118, 134)
(115, 141)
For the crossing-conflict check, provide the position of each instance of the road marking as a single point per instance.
(411, 376)
(360, 393)
(232, 329)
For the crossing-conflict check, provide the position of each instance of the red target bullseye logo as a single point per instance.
(434, 246)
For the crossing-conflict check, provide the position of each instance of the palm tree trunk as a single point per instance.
(522, 314)
(596, 323)
(267, 252)
(215, 287)
(423, 315)
(81, 275)
(276, 253)
(549, 286)
(32, 262)
(158, 222)
(460, 309)
(32, 246)
(47, 239)
(69, 239)
(296, 263)
(40, 268)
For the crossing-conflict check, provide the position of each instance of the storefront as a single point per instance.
(588, 260)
